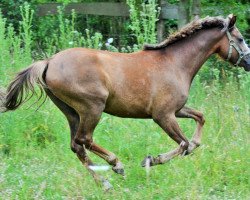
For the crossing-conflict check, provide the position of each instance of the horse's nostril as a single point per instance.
(247, 57)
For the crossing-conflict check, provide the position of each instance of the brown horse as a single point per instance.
(152, 83)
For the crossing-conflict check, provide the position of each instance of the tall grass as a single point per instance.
(67, 36)
(36, 158)
(36, 161)
(143, 20)
(15, 48)
(26, 30)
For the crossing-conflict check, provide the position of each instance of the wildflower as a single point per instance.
(110, 40)
(236, 108)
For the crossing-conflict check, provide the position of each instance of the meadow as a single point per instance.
(36, 161)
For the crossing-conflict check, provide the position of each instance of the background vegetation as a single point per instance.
(35, 157)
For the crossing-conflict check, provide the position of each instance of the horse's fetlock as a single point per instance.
(159, 159)
(112, 159)
(184, 145)
(196, 143)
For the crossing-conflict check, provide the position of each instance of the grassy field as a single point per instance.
(36, 161)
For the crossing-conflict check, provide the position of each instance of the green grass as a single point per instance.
(36, 160)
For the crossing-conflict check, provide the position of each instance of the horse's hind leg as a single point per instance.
(169, 124)
(73, 120)
(106, 155)
(88, 121)
(186, 112)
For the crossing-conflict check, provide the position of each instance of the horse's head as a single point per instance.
(233, 46)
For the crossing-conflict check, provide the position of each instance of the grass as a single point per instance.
(36, 160)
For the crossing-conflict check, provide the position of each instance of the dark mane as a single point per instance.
(188, 30)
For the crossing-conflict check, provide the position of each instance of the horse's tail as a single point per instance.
(2, 100)
(24, 83)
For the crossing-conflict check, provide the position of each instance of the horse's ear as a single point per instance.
(232, 20)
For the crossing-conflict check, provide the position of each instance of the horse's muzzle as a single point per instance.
(246, 64)
(247, 69)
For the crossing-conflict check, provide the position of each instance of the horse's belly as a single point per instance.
(127, 110)
(127, 114)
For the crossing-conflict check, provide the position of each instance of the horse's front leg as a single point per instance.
(169, 124)
(186, 112)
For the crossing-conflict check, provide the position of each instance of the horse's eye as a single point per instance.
(240, 39)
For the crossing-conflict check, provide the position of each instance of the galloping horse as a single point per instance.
(152, 83)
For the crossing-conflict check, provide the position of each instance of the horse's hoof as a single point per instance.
(148, 161)
(119, 171)
(118, 168)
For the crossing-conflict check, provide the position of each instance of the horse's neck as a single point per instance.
(194, 51)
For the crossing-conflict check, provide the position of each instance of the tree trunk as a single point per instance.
(183, 13)
(196, 9)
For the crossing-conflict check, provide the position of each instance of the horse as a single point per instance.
(151, 83)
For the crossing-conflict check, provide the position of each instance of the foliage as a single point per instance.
(227, 7)
(66, 36)
(15, 48)
(143, 21)
(25, 29)
(10, 10)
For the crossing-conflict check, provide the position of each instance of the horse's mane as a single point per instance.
(188, 30)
